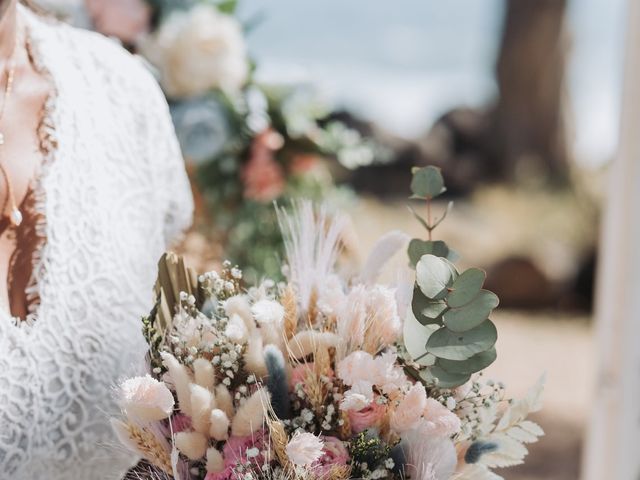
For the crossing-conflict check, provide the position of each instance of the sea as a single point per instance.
(403, 63)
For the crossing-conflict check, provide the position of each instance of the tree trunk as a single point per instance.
(528, 135)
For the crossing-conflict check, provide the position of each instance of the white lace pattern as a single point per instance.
(113, 194)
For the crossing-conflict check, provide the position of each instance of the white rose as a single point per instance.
(146, 399)
(199, 50)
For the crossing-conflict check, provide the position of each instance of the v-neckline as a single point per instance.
(48, 145)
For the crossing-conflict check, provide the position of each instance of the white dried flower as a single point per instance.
(304, 449)
(146, 399)
(268, 312)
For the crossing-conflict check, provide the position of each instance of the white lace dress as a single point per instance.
(111, 194)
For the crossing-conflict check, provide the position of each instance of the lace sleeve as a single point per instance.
(163, 151)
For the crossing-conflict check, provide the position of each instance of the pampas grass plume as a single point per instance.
(219, 429)
(277, 383)
(215, 461)
(250, 416)
(204, 372)
(308, 341)
(224, 401)
(192, 444)
(201, 405)
(254, 356)
(181, 380)
(238, 305)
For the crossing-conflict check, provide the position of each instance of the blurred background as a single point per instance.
(516, 100)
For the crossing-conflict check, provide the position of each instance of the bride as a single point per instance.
(92, 188)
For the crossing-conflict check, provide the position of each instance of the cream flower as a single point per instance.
(304, 449)
(146, 399)
(358, 397)
(199, 50)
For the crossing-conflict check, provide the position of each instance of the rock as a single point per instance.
(520, 283)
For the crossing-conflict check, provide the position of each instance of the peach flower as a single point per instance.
(381, 371)
(439, 420)
(146, 399)
(368, 417)
(304, 449)
(408, 413)
(262, 176)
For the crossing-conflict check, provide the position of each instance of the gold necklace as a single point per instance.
(15, 215)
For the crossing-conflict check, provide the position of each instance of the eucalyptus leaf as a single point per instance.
(466, 287)
(420, 304)
(478, 362)
(433, 275)
(416, 337)
(450, 345)
(418, 248)
(472, 314)
(437, 376)
(427, 183)
(434, 310)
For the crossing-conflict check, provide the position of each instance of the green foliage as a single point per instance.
(451, 337)
(427, 183)
(418, 248)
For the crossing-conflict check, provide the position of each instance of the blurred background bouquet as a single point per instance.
(247, 143)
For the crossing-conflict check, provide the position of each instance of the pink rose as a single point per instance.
(126, 20)
(368, 417)
(334, 453)
(262, 176)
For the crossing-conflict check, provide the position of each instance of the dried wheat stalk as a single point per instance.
(150, 447)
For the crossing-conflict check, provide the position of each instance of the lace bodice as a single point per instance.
(112, 193)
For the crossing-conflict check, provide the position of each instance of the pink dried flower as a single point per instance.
(368, 417)
(304, 449)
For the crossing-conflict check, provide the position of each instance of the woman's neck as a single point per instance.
(8, 27)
